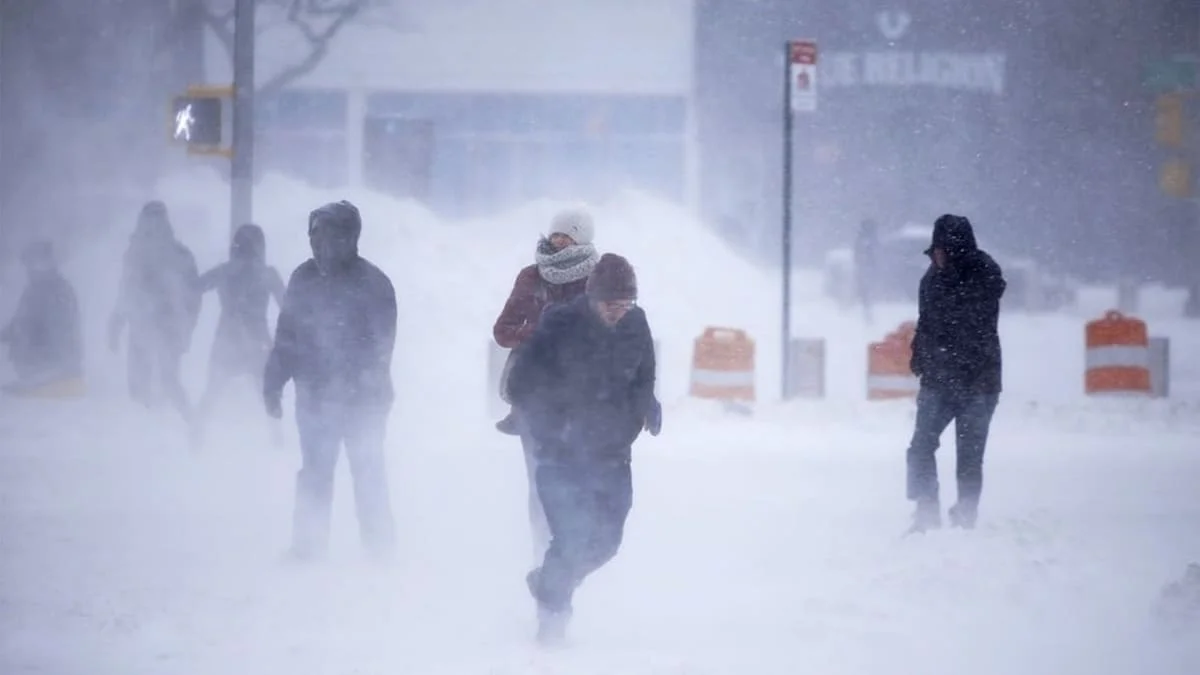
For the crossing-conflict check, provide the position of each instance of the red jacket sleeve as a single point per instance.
(520, 314)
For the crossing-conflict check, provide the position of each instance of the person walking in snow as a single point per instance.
(159, 301)
(563, 260)
(956, 355)
(45, 335)
(866, 252)
(584, 383)
(245, 285)
(334, 339)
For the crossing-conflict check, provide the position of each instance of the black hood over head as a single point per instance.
(249, 244)
(954, 235)
(333, 232)
(153, 224)
(38, 257)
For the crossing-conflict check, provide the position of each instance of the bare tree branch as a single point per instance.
(221, 24)
(318, 39)
(318, 21)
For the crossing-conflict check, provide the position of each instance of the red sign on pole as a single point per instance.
(802, 73)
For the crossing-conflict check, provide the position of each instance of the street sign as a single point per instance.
(1170, 75)
(802, 73)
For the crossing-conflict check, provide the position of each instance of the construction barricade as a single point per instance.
(723, 366)
(65, 388)
(889, 375)
(1117, 360)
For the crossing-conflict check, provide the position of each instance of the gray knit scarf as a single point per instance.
(570, 264)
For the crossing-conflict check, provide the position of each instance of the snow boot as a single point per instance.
(963, 516)
(508, 425)
(552, 623)
(552, 627)
(928, 516)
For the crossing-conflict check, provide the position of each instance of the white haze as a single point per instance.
(761, 544)
(765, 544)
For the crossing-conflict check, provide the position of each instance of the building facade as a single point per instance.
(1030, 118)
(472, 106)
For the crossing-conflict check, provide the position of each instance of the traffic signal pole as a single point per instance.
(241, 174)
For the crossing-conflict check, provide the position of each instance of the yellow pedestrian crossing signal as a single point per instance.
(1168, 121)
(196, 119)
(1175, 179)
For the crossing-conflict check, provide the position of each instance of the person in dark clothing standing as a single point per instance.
(584, 381)
(159, 300)
(956, 354)
(866, 251)
(334, 338)
(564, 259)
(245, 285)
(45, 335)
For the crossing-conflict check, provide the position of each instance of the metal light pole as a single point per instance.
(241, 171)
(786, 243)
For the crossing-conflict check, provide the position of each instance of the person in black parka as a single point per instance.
(334, 339)
(245, 285)
(956, 355)
(45, 335)
(159, 301)
(585, 383)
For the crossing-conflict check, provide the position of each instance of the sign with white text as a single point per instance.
(802, 74)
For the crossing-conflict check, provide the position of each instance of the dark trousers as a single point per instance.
(538, 527)
(155, 372)
(586, 507)
(324, 426)
(972, 417)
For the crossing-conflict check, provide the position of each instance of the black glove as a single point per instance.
(653, 422)
(914, 364)
(273, 400)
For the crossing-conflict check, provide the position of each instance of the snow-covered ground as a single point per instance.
(761, 544)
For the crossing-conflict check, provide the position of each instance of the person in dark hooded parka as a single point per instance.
(159, 301)
(334, 339)
(245, 285)
(45, 335)
(956, 355)
(585, 384)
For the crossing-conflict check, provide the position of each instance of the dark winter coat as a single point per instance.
(586, 388)
(957, 342)
(245, 285)
(529, 298)
(159, 296)
(337, 325)
(45, 335)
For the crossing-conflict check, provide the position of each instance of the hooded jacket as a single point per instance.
(159, 296)
(337, 326)
(586, 388)
(245, 285)
(957, 343)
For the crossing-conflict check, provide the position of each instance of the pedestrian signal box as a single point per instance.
(196, 120)
(1168, 121)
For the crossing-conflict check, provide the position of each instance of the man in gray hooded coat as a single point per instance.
(334, 338)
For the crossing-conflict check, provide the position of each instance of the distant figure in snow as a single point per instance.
(45, 335)
(866, 248)
(584, 383)
(563, 260)
(159, 301)
(334, 338)
(245, 285)
(956, 353)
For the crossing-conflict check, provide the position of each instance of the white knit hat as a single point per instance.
(575, 223)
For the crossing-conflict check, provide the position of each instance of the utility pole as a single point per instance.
(241, 171)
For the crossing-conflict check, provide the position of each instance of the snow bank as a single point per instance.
(452, 278)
